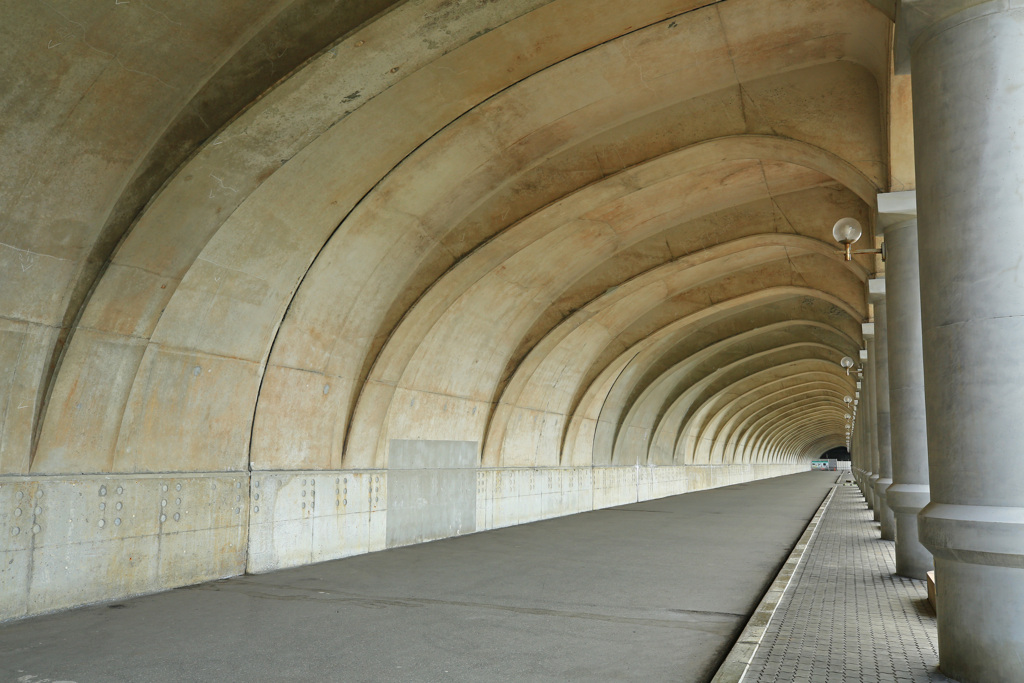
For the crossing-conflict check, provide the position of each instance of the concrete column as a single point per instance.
(855, 448)
(968, 81)
(872, 418)
(852, 444)
(857, 421)
(859, 445)
(865, 457)
(908, 493)
(855, 451)
(863, 411)
(881, 398)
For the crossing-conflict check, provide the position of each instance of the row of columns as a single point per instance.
(891, 455)
(880, 410)
(938, 425)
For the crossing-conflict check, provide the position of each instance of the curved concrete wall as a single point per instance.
(534, 257)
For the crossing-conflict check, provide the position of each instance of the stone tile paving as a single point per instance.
(846, 615)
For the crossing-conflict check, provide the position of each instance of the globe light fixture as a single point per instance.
(847, 231)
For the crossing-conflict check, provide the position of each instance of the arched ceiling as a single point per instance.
(572, 231)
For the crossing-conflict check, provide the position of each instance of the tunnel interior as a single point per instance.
(291, 283)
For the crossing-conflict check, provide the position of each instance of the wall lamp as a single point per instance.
(847, 231)
(848, 363)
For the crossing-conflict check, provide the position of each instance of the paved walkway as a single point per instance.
(846, 615)
(655, 591)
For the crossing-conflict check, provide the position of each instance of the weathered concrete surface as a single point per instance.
(106, 102)
(432, 491)
(969, 77)
(72, 541)
(302, 517)
(654, 591)
(374, 248)
(908, 493)
(570, 232)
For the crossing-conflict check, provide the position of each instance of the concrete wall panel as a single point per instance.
(79, 540)
(303, 517)
(431, 490)
(57, 554)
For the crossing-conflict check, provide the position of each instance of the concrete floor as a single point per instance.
(653, 591)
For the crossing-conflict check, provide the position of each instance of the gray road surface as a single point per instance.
(655, 591)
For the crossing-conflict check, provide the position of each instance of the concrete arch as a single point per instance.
(190, 333)
(575, 348)
(695, 403)
(747, 421)
(639, 373)
(816, 409)
(634, 430)
(691, 440)
(728, 382)
(800, 440)
(151, 262)
(809, 420)
(669, 431)
(830, 437)
(585, 422)
(529, 226)
(726, 442)
(821, 446)
(398, 359)
(710, 447)
(801, 435)
(768, 417)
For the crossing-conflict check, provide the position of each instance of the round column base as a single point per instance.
(874, 495)
(885, 515)
(979, 581)
(913, 560)
(980, 620)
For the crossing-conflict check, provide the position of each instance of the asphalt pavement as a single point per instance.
(654, 591)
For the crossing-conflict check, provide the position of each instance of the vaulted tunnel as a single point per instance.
(554, 254)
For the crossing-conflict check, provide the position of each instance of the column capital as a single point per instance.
(868, 331)
(876, 290)
(895, 208)
(915, 18)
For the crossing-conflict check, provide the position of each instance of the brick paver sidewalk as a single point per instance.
(847, 616)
